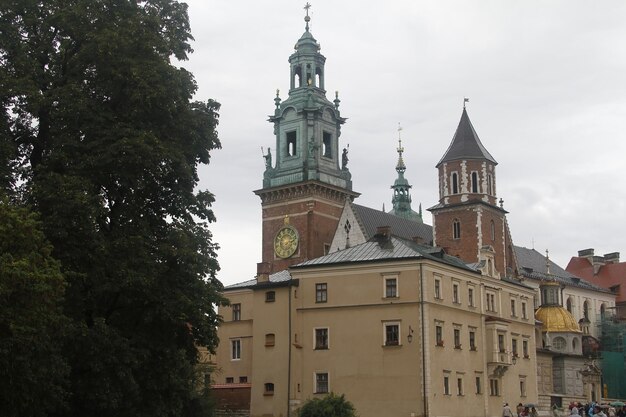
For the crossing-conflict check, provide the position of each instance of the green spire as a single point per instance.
(401, 197)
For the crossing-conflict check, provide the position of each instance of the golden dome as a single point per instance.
(556, 319)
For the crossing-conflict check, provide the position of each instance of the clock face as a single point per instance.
(286, 242)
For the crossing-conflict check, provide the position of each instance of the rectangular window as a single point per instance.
(439, 335)
(494, 389)
(491, 302)
(291, 144)
(455, 183)
(470, 297)
(235, 351)
(230, 380)
(474, 182)
(391, 287)
(243, 379)
(236, 312)
(269, 389)
(446, 385)
(514, 347)
(472, 340)
(457, 338)
(321, 293)
(522, 388)
(479, 388)
(501, 347)
(525, 348)
(321, 382)
(513, 312)
(321, 338)
(270, 296)
(455, 293)
(327, 145)
(392, 334)
(438, 289)
(524, 316)
(459, 386)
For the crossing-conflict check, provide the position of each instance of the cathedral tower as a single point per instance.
(304, 192)
(468, 222)
(401, 199)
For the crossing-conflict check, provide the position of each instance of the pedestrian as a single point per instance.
(506, 411)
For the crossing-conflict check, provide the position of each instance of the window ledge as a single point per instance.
(268, 394)
(458, 347)
(474, 349)
(321, 348)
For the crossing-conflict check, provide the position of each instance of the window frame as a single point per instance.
(236, 310)
(459, 386)
(391, 325)
(454, 182)
(316, 337)
(321, 292)
(494, 387)
(457, 338)
(235, 349)
(478, 385)
(391, 291)
(513, 308)
(456, 229)
(319, 382)
(470, 297)
(472, 340)
(270, 296)
(439, 334)
(455, 293)
(446, 385)
(437, 289)
(268, 388)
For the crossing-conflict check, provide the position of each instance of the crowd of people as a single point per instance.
(575, 409)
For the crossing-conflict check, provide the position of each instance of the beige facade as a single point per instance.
(398, 337)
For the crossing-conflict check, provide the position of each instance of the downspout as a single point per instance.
(289, 359)
(423, 340)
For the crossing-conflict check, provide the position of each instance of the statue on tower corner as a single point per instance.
(268, 158)
(344, 158)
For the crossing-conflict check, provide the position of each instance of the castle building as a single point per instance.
(399, 326)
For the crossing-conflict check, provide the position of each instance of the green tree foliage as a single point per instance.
(330, 406)
(100, 136)
(32, 369)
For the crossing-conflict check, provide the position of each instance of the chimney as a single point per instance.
(586, 253)
(383, 237)
(611, 258)
(419, 240)
(597, 262)
(263, 270)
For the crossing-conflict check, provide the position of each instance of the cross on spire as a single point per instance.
(307, 6)
(400, 148)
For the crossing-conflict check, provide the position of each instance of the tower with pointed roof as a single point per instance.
(306, 188)
(401, 190)
(468, 221)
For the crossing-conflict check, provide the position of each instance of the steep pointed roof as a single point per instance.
(465, 144)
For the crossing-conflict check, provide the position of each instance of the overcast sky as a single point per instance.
(547, 88)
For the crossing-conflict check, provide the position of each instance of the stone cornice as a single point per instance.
(305, 189)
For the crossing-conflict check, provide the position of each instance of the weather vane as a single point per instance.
(465, 100)
(400, 148)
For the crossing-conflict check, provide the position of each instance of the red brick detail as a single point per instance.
(313, 209)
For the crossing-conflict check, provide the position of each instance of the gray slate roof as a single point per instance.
(371, 219)
(380, 249)
(466, 144)
(281, 276)
(533, 266)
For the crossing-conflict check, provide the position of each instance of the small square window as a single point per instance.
(391, 287)
(269, 388)
(392, 334)
(321, 338)
(321, 382)
(243, 379)
(230, 380)
(270, 296)
(270, 339)
(321, 293)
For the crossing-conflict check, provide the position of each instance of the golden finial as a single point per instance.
(286, 220)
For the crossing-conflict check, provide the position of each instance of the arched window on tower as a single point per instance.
(493, 230)
(474, 182)
(456, 229)
(455, 183)
(568, 305)
(319, 79)
(602, 311)
(297, 77)
(586, 309)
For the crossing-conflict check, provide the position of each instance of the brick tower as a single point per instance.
(468, 222)
(304, 193)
